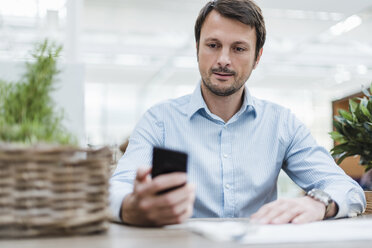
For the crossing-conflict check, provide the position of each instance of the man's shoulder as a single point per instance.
(283, 121)
(176, 105)
(267, 107)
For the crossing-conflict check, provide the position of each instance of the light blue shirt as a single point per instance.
(235, 164)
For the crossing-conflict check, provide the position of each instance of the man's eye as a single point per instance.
(239, 49)
(212, 45)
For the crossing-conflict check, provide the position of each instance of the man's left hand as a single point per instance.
(297, 211)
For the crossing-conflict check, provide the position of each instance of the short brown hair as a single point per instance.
(245, 11)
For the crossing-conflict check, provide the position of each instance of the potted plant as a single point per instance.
(353, 134)
(48, 185)
(28, 114)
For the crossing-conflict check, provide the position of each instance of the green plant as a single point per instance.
(354, 131)
(27, 111)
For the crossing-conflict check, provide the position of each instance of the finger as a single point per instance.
(142, 173)
(270, 212)
(261, 212)
(175, 211)
(186, 214)
(186, 204)
(166, 181)
(167, 216)
(176, 196)
(170, 199)
(286, 216)
(301, 219)
(181, 218)
(271, 215)
(141, 182)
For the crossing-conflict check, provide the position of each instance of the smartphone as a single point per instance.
(166, 161)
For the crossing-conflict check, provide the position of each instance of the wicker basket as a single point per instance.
(368, 195)
(53, 191)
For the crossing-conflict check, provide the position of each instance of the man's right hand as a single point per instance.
(144, 207)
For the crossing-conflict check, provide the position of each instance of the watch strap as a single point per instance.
(323, 197)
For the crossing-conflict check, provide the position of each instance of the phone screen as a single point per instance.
(166, 161)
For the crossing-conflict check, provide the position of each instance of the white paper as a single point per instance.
(245, 233)
(322, 231)
(221, 231)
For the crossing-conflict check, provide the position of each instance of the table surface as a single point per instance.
(123, 236)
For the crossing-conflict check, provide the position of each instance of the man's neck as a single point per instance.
(224, 107)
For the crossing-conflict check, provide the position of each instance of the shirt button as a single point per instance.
(227, 186)
(225, 155)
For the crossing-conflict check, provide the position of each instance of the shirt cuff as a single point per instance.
(117, 195)
(350, 204)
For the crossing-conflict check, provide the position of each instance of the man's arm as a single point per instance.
(311, 166)
(147, 133)
(133, 197)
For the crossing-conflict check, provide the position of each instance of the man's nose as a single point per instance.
(224, 58)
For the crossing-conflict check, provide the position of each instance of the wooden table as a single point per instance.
(122, 236)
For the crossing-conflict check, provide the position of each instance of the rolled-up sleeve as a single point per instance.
(311, 166)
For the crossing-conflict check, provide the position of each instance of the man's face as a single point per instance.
(226, 54)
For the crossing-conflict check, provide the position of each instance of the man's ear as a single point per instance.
(258, 58)
(197, 51)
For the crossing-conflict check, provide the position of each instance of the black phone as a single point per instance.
(167, 161)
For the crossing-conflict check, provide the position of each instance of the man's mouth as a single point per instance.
(222, 76)
(223, 73)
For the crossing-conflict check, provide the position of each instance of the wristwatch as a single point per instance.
(321, 196)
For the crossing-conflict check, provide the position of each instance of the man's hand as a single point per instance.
(297, 211)
(144, 207)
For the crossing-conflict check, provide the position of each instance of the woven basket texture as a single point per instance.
(53, 190)
(369, 202)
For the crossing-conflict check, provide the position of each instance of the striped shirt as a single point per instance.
(234, 164)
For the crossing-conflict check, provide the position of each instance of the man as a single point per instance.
(237, 144)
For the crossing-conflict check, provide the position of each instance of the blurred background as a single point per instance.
(122, 56)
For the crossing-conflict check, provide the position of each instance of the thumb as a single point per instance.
(142, 173)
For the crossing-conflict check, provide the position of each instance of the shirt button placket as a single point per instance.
(227, 173)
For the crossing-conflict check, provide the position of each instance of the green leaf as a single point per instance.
(337, 124)
(345, 114)
(360, 117)
(364, 101)
(369, 105)
(352, 105)
(365, 112)
(365, 91)
(337, 137)
(339, 149)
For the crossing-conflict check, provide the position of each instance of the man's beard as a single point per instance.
(237, 84)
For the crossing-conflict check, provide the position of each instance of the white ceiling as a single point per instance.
(152, 42)
(149, 43)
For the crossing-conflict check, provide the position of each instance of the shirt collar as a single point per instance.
(197, 102)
